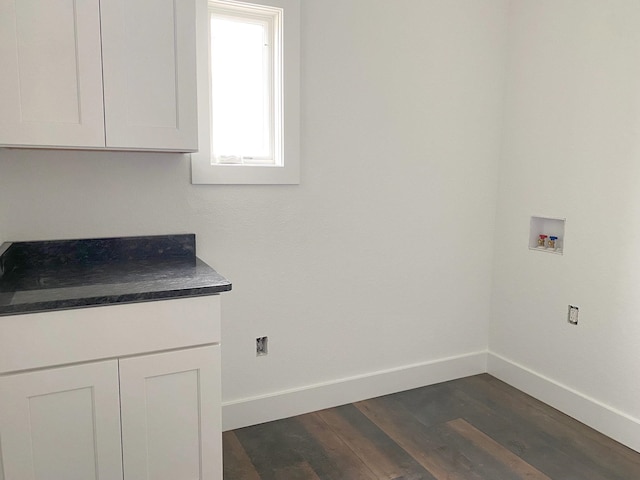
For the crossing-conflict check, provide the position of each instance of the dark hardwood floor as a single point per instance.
(468, 429)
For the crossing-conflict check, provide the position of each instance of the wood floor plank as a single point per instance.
(482, 463)
(301, 471)
(528, 438)
(277, 445)
(236, 462)
(436, 404)
(426, 444)
(345, 459)
(380, 453)
(515, 463)
(442, 450)
(602, 455)
(608, 452)
(377, 461)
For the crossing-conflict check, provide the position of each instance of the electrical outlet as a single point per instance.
(262, 346)
(572, 317)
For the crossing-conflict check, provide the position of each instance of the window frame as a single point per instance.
(285, 171)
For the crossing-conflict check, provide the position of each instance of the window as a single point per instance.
(248, 92)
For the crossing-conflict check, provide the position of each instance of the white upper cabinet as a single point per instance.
(149, 57)
(51, 80)
(114, 74)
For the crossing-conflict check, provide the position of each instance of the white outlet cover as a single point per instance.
(573, 314)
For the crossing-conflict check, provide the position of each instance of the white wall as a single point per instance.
(381, 260)
(382, 257)
(572, 149)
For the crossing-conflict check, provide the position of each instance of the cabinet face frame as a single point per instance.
(40, 340)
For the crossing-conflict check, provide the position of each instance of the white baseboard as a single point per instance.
(309, 398)
(613, 423)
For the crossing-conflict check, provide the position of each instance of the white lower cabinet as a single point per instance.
(124, 392)
(67, 423)
(170, 423)
(61, 423)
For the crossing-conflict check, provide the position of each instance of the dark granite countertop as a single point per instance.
(58, 275)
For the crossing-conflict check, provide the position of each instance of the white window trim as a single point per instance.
(202, 169)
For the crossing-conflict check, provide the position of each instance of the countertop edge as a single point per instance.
(89, 302)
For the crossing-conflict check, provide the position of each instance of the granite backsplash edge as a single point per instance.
(49, 253)
(3, 249)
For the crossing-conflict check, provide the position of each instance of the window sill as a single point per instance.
(203, 173)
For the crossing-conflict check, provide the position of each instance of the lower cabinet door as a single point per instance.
(171, 427)
(61, 424)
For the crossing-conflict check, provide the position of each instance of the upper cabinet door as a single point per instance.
(51, 80)
(148, 49)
